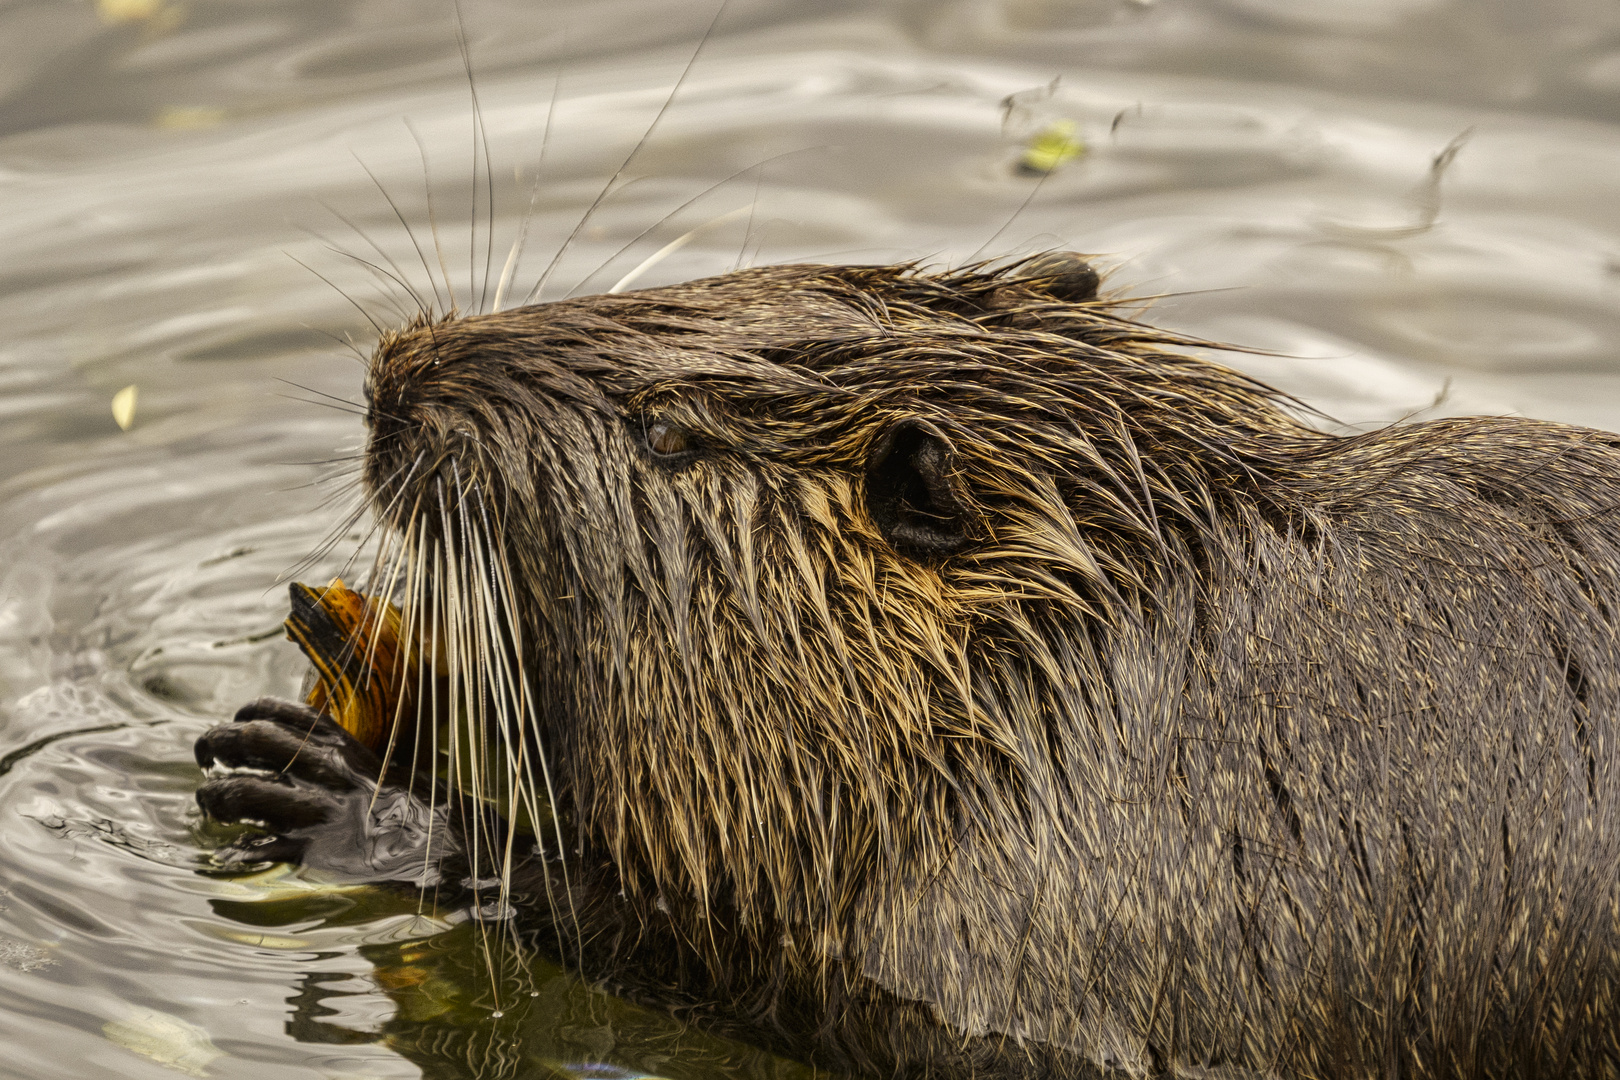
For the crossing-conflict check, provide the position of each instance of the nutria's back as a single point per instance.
(950, 674)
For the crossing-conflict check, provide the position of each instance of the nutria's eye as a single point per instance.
(666, 439)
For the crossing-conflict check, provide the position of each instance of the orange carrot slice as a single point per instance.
(366, 677)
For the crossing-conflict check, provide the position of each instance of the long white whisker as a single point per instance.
(675, 245)
(433, 219)
(625, 164)
(509, 271)
(518, 790)
(438, 301)
(480, 142)
(465, 746)
(526, 712)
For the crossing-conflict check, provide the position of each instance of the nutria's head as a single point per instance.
(781, 565)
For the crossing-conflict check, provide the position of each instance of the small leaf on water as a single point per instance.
(167, 1040)
(188, 117)
(123, 407)
(125, 11)
(1056, 144)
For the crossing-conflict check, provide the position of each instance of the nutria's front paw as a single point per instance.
(320, 797)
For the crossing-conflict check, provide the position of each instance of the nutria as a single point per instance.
(939, 673)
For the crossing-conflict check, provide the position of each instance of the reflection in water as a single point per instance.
(1264, 163)
(550, 1022)
(452, 1018)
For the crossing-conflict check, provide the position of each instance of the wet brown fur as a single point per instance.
(1213, 740)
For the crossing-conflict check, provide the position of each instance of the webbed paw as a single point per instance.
(321, 798)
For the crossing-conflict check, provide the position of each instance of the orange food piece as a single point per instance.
(367, 679)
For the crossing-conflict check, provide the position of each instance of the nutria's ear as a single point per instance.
(1062, 275)
(913, 492)
(1059, 275)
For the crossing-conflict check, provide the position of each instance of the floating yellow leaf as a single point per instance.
(188, 117)
(1056, 144)
(167, 1040)
(126, 11)
(123, 407)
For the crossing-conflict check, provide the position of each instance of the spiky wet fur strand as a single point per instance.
(1220, 742)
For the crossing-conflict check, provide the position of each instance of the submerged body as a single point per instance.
(939, 674)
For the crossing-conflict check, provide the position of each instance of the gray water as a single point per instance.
(176, 179)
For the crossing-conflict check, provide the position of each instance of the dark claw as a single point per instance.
(277, 748)
(287, 737)
(279, 807)
(292, 713)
